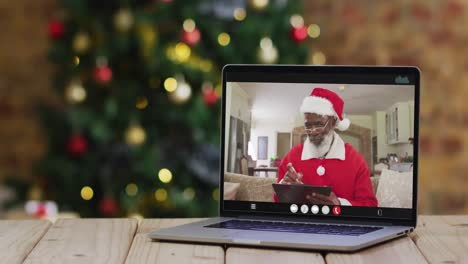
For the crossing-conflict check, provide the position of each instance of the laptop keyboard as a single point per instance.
(328, 229)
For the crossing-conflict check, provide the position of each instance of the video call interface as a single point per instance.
(324, 149)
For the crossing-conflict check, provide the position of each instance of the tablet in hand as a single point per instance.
(296, 193)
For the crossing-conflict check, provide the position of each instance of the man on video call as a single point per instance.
(324, 159)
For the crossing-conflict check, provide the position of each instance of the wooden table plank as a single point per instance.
(85, 241)
(144, 250)
(443, 239)
(269, 256)
(18, 238)
(401, 250)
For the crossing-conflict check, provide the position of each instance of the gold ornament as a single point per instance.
(131, 189)
(239, 14)
(170, 84)
(123, 20)
(75, 93)
(135, 135)
(165, 175)
(267, 52)
(313, 31)
(224, 39)
(160, 195)
(141, 103)
(318, 58)
(182, 93)
(87, 193)
(182, 52)
(81, 42)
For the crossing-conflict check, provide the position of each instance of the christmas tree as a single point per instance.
(138, 132)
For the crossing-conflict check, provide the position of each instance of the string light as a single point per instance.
(170, 84)
(189, 25)
(259, 4)
(182, 93)
(87, 193)
(224, 39)
(206, 65)
(141, 103)
(75, 93)
(81, 42)
(76, 60)
(189, 193)
(160, 195)
(296, 21)
(165, 175)
(219, 90)
(135, 135)
(267, 52)
(318, 58)
(131, 189)
(215, 194)
(182, 52)
(136, 216)
(239, 14)
(313, 31)
(266, 43)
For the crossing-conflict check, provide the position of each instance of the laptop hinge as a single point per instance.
(332, 221)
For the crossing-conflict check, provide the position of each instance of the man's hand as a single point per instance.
(291, 176)
(318, 198)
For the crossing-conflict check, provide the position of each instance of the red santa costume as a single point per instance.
(342, 168)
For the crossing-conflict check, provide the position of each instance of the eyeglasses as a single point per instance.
(309, 130)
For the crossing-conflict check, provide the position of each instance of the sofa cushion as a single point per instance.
(395, 189)
(252, 188)
(230, 190)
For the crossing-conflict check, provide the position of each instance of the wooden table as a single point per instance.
(438, 239)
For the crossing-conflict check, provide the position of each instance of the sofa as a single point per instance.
(392, 188)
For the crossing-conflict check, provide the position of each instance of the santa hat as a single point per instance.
(325, 102)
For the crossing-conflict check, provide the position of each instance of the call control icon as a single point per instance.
(336, 210)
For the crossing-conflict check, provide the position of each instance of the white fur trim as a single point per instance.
(343, 124)
(337, 150)
(343, 201)
(317, 105)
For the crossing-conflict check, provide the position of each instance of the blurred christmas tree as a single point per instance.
(139, 130)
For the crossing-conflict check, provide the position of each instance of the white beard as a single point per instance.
(324, 146)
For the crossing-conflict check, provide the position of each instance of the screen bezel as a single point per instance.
(323, 74)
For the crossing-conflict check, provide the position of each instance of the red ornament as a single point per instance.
(108, 207)
(299, 34)
(191, 38)
(56, 29)
(103, 74)
(77, 145)
(209, 97)
(41, 210)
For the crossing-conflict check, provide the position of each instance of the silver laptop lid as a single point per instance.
(351, 129)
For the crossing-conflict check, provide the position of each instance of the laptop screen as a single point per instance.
(312, 141)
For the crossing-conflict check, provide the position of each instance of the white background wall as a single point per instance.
(268, 128)
(237, 107)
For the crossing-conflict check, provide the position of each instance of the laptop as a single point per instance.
(270, 112)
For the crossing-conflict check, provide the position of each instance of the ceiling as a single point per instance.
(283, 100)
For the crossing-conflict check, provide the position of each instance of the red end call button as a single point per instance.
(336, 210)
